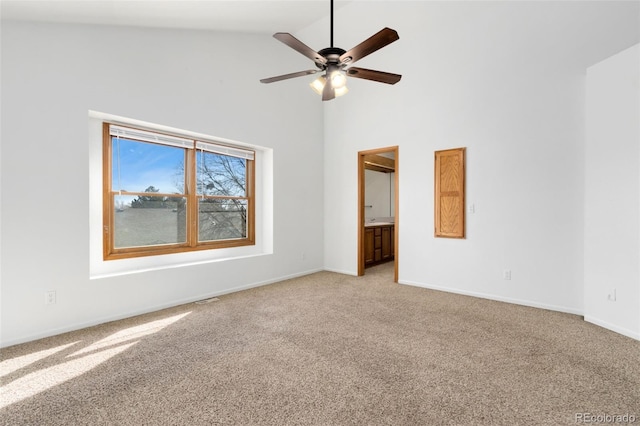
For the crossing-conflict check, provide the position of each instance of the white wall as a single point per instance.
(52, 75)
(612, 204)
(485, 76)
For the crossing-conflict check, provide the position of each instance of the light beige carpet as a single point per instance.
(327, 349)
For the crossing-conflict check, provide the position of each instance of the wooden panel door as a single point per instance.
(449, 193)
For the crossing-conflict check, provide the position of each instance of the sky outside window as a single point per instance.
(139, 165)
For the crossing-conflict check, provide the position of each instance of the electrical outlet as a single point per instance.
(303, 256)
(611, 297)
(472, 208)
(506, 274)
(50, 297)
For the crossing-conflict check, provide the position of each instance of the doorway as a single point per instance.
(375, 160)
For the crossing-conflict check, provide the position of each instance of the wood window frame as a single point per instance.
(449, 193)
(110, 252)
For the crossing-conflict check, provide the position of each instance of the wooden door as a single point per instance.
(449, 193)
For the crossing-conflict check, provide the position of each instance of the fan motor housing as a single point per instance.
(332, 55)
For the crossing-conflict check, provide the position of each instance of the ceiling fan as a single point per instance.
(334, 62)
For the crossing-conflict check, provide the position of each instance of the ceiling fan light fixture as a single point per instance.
(338, 79)
(318, 84)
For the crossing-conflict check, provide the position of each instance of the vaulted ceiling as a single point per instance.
(257, 16)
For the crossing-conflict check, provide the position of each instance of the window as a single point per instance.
(168, 194)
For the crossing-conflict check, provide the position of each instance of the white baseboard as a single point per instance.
(148, 309)
(338, 271)
(102, 320)
(612, 327)
(531, 304)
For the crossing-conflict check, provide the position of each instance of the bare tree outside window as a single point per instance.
(221, 186)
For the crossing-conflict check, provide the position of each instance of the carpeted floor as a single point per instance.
(327, 349)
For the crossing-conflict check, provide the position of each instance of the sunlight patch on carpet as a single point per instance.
(47, 378)
(131, 333)
(8, 366)
(84, 360)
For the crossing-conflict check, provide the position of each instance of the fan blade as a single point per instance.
(328, 92)
(286, 76)
(377, 41)
(382, 77)
(296, 44)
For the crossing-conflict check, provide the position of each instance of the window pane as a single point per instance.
(139, 166)
(221, 175)
(222, 219)
(149, 220)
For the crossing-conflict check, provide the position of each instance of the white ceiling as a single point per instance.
(252, 16)
(590, 31)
